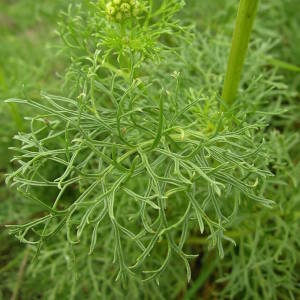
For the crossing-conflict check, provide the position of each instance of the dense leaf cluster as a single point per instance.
(137, 169)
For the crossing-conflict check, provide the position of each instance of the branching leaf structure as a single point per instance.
(134, 178)
(141, 156)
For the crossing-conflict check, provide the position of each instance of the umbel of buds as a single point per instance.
(120, 10)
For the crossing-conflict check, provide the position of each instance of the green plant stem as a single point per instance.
(244, 23)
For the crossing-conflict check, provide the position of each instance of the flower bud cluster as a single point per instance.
(119, 10)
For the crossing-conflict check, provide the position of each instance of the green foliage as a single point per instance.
(266, 261)
(27, 61)
(130, 137)
(134, 171)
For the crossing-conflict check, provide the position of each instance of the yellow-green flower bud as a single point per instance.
(125, 7)
(110, 9)
(119, 16)
(119, 10)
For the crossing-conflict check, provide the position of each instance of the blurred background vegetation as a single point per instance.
(31, 61)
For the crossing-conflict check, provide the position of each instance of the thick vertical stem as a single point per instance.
(244, 23)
